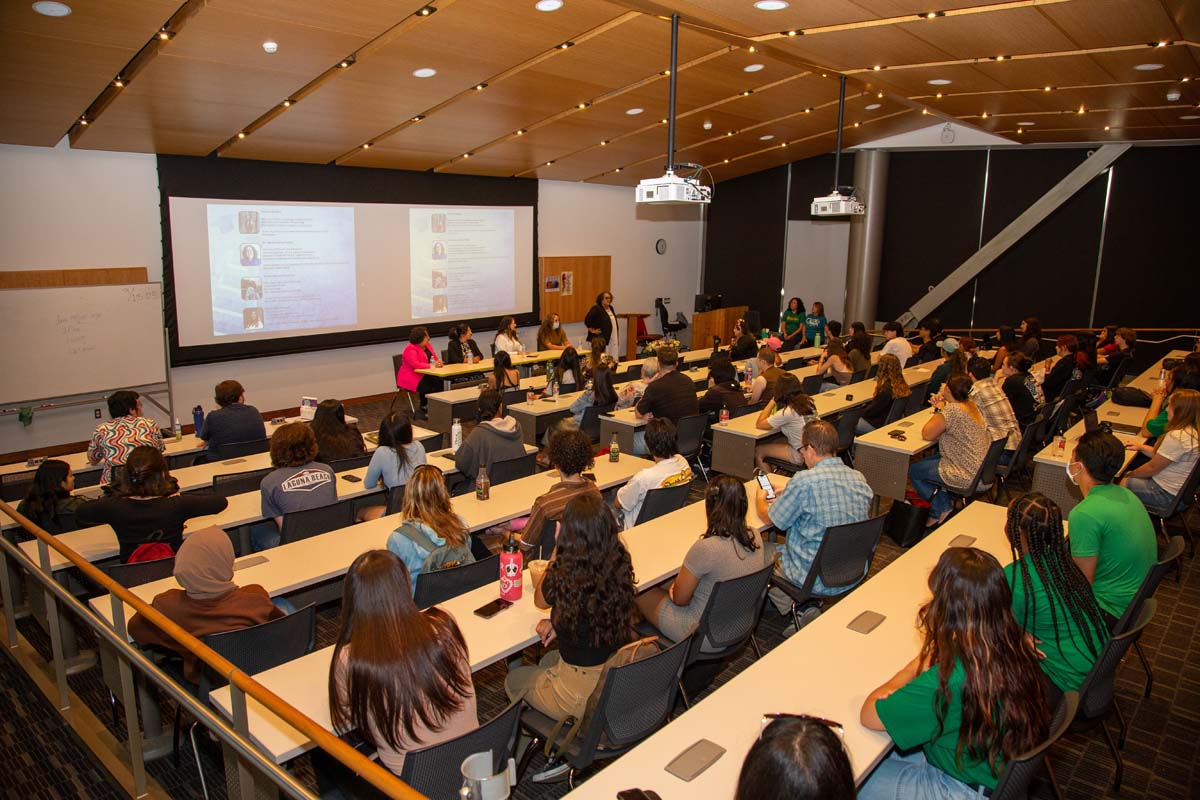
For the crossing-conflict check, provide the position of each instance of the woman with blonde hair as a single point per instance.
(1159, 480)
(430, 536)
(890, 385)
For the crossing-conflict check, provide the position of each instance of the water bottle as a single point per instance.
(817, 340)
(455, 435)
(198, 419)
(614, 449)
(178, 430)
(724, 414)
(511, 563)
(483, 485)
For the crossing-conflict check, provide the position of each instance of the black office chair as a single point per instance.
(1114, 380)
(1178, 508)
(299, 525)
(249, 447)
(1031, 438)
(812, 385)
(139, 572)
(546, 540)
(440, 585)
(235, 483)
(896, 412)
(793, 363)
(916, 400)
(1019, 771)
(395, 499)
(664, 319)
(347, 464)
(874, 369)
(690, 433)
(513, 468)
(1169, 561)
(662, 501)
(434, 771)
(860, 375)
(590, 424)
(985, 477)
(15, 485)
(847, 427)
(397, 362)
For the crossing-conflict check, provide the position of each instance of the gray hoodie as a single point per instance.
(495, 440)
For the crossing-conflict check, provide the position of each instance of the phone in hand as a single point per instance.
(493, 608)
(764, 483)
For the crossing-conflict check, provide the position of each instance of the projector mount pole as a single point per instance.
(671, 93)
(837, 156)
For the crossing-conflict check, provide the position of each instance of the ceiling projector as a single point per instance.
(837, 204)
(671, 188)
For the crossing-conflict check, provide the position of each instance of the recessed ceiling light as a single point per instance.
(878, 67)
(1190, 116)
(633, 112)
(707, 125)
(1108, 127)
(548, 5)
(479, 87)
(241, 134)
(1148, 67)
(771, 5)
(752, 68)
(940, 95)
(766, 137)
(873, 106)
(521, 132)
(939, 81)
(418, 118)
(366, 146)
(424, 72)
(1026, 123)
(270, 46)
(48, 8)
(426, 11)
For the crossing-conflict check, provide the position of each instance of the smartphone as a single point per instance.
(697, 758)
(589, 476)
(352, 478)
(764, 483)
(493, 608)
(866, 622)
(638, 794)
(962, 540)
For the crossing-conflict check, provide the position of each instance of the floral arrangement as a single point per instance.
(652, 348)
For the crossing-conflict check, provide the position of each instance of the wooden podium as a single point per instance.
(707, 324)
(630, 323)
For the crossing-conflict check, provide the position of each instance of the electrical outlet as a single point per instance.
(96, 413)
(666, 301)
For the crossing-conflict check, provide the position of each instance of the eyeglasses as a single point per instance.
(836, 727)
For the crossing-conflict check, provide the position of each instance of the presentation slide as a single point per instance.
(261, 270)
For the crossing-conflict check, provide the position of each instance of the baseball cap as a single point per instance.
(949, 344)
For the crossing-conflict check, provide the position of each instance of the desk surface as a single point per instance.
(488, 364)
(910, 426)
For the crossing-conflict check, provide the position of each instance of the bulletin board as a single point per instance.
(569, 284)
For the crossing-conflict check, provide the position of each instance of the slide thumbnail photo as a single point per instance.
(439, 251)
(250, 257)
(437, 223)
(252, 319)
(251, 289)
(439, 304)
(439, 279)
(247, 222)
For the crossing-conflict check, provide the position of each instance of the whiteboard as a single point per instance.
(80, 339)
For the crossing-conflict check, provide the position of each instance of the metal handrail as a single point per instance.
(240, 683)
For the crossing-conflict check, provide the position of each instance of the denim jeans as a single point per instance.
(927, 482)
(639, 443)
(863, 427)
(911, 777)
(264, 535)
(1150, 493)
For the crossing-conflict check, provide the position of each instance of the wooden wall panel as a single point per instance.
(41, 278)
(591, 275)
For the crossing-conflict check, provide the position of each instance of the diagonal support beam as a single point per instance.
(1029, 219)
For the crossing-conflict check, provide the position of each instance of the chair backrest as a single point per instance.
(793, 363)
(438, 586)
(1019, 771)
(1097, 693)
(896, 411)
(247, 448)
(845, 554)
(1030, 438)
(299, 525)
(1150, 584)
(811, 385)
(663, 319)
(1061, 414)
(546, 539)
(397, 361)
(1114, 380)
(847, 426)
(513, 468)
(347, 464)
(395, 499)
(590, 424)
(986, 474)
(493, 346)
(1190, 486)
(661, 501)
(742, 411)
(139, 572)
(859, 375)
(261, 647)
(912, 361)
(446, 356)
(514, 396)
(874, 369)
(434, 771)
(690, 434)
(234, 483)
(916, 400)
(731, 613)
(15, 485)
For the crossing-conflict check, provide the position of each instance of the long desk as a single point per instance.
(656, 548)
(824, 670)
(883, 460)
(448, 372)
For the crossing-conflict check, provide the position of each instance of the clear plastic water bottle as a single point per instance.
(614, 449)
(455, 435)
(483, 485)
(724, 414)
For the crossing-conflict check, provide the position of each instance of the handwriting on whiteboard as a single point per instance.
(140, 294)
(78, 330)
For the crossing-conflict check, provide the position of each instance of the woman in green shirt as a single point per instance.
(1052, 600)
(970, 700)
(793, 324)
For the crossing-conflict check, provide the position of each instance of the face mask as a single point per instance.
(556, 326)
(1071, 477)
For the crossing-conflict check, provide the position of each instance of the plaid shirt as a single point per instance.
(827, 494)
(997, 412)
(114, 440)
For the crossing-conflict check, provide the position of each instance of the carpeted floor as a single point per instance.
(41, 757)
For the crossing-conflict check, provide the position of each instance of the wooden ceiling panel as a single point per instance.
(124, 24)
(1111, 23)
(864, 48)
(1186, 16)
(1024, 30)
(360, 18)
(1176, 60)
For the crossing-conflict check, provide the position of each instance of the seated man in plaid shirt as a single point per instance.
(993, 405)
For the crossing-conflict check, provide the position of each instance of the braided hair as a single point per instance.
(1035, 529)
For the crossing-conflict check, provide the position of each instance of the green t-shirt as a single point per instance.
(1068, 658)
(792, 320)
(910, 716)
(1158, 425)
(1112, 524)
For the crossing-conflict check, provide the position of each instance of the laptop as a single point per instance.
(1091, 422)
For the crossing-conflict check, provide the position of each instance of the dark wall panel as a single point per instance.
(744, 249)
(1016, 178)
(813, 177)
(1150, 277)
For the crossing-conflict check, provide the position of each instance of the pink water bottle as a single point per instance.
(511, 562)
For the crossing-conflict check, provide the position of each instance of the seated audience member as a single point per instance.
(833, 330)
(672, 396)
(631, 393)
(596, 357)
(859, 348)
(962, 436)
(1006, 338)
(835, 366)
(930, 331)
(994, 407)
(889, 385)
(1106, 343)
(418, 355)
(1052, 600)
(814, 324)
(145, 507)
(233, 421)
(506, 340)
(298, 482)
(791, 321)
(588, 587)
(504, 376)
(895, 344)
(1125, 339)
(826, 494)
(1112, 537)
(1157, 482)
(1069, 367)
(430, 536)
(209, 602)
(400, 676)
(114, 440)
(954, 363)
(728, 549)
(1018, 385)
(602, 393)
(669, 469)
(551, 336)
(565, 373)
(393, 462)
(724, 391)
(336, 439)
(496, 438)
(969, 346)
(789, 410)
(1184, 376)
(743, 345)
(763, 385)
(971, 699)
(570, 453)
(797, 757)
(49, 502)
(1031, 337)
(460, 347)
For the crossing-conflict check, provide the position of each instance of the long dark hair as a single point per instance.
(335, 439)
(592, 574)
(41, 501)
(796, 758)
(405, 667)
(603, 393)
(860, 341)
(725, 505)
(502, 363)
(1007, 336)
(969, 621)
(1033, 329)
(568, 361)
(722, 373)
(395, 431)
(145, 475)
(790, 394)
(799, 305)
(1035, 533)
(505, 328)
